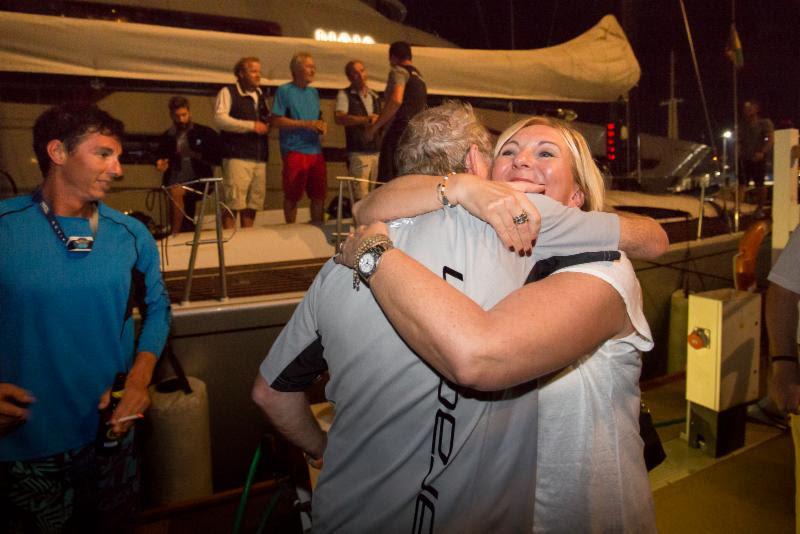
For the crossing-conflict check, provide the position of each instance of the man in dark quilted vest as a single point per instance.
(242, 115)
(358, 106)
(406, 95)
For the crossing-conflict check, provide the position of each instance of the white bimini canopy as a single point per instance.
(597, 66)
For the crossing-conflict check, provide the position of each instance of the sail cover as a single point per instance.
(597, 66)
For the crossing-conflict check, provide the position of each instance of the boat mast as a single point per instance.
(511, 33)
(672, 102)
(735, 181)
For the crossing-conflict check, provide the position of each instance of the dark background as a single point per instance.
(768, 30)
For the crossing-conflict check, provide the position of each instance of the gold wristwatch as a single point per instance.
(368, 256)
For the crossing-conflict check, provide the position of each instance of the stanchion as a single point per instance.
(349, 180)
(196, 241)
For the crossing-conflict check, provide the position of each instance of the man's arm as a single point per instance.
(278, 121)
(136, 398)
(290, 414)
(166, 146)
(13, 406)
(393, 103)
(641, 238)
(295, 361)
(770, 140)
(345, 119)
(154, 308)
(224, 121)
(278, 118)
(342, 118)
(781, 315)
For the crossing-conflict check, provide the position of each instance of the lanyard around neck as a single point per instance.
(73, 243)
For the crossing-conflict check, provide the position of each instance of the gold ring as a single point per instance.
(522, 218)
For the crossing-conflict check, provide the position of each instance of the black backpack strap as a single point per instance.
(180, 375)
(545, 268)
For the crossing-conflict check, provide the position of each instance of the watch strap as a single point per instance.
(379, 243)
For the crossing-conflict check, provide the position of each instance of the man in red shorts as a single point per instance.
(296, 112)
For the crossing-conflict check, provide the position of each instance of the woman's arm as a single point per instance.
(406, 196)
(524, 336)
(641, 238)
(494, 202)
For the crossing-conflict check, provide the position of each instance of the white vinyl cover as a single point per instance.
(597, 66)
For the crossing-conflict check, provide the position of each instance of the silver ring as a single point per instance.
(522, 218)
(339, 247)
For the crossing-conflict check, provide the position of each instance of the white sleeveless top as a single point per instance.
(591, 475)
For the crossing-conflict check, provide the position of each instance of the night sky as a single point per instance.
(769, 31)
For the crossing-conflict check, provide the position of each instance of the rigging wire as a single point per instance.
(711, 138)
(552, 23)
(482, 24)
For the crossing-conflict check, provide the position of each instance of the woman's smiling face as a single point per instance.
(538, 154)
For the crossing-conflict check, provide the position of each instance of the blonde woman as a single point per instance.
(585, 323)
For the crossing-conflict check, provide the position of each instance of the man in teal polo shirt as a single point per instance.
(296, 112)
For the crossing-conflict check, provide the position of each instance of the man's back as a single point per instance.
(405, 449)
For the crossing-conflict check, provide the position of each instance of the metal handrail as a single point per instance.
(349, 180)
(196, 242)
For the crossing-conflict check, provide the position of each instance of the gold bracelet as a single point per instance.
(441, 191)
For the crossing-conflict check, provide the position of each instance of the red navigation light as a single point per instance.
(611, 141)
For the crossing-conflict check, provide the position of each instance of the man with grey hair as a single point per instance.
(441, 139)
(296, 112)
(407, 449)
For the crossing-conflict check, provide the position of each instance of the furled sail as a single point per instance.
(597, 66)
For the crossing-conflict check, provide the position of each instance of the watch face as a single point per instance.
(366, 264)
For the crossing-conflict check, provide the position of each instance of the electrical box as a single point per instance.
(724, 340)
(717, 433)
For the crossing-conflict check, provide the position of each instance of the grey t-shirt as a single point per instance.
(406, 451)
(786, 271)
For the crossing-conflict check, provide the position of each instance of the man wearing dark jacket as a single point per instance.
(187, 152)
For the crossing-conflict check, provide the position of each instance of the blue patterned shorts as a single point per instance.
(73, 491)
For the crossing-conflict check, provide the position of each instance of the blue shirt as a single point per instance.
(296, 103)
(65, 319)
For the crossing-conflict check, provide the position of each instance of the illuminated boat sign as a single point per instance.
(342, 37)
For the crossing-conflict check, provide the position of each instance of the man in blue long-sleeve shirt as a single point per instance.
(68, 281)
